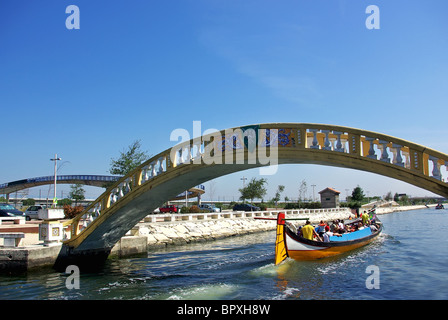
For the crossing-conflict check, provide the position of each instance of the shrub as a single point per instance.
(71, 212)
(28, 202)
(290, 206)
(63, 202)
(354, 204)
(303, 205)
(195, 209)
(313, 205)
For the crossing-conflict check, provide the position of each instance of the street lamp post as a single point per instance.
(51, 229)
(55, 177)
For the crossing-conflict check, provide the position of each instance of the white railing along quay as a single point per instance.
(153, 218)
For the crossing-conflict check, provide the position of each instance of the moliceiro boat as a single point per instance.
(290, 244)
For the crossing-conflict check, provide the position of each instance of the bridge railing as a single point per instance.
(117, 192)
(308, 137)
(368, 144)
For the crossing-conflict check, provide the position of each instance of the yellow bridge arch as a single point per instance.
(189, 163)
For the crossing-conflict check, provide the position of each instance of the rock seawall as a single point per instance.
(183, 232)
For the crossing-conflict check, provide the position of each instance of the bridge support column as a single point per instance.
(86, 261)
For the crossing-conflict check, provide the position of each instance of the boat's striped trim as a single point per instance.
(302, 249)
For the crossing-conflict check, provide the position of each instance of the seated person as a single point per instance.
(327, 234)
(320, 229)
(341, 226)
(334, 226)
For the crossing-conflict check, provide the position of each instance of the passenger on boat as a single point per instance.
(365, 219)
(373, 218)
(308, 231)
(340, 227)
(327, 234)
(338, 230)
(320, 229)
(352, 227)
(334, 225)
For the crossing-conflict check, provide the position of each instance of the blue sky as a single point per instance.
(140, 69)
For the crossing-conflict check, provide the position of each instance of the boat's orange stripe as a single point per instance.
(324, 253)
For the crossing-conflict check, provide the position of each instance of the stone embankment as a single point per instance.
(162, 230)
(186, 232)
(214, 226)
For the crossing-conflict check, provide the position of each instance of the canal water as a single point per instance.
(408, 261)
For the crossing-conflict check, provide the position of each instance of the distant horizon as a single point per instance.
(223, 199)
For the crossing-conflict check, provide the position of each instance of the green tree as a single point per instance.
(388, 196)
(358, 194)
(254, 190)
(65, 202)
(276, 198)
(77, 193)
(128, 160)
(404, 200)
(356, 198)
(28, 202)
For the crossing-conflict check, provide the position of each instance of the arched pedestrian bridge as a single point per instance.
(89, 180)
(195, 161)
